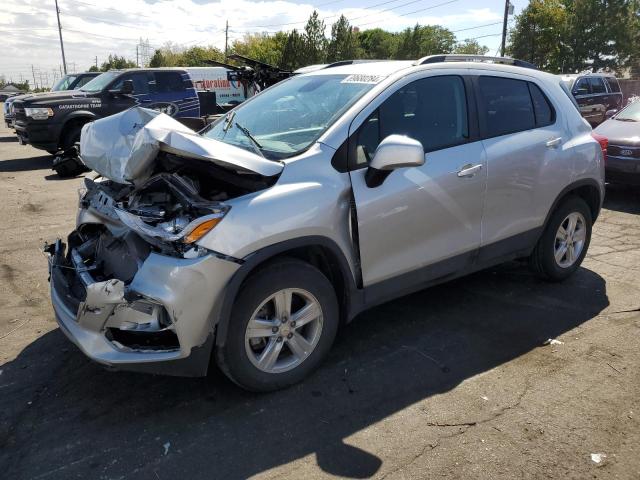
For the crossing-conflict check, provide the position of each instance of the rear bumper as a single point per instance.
(186, 291)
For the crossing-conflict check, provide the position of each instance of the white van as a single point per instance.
(215, 79)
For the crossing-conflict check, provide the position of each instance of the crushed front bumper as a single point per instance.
(97, 315)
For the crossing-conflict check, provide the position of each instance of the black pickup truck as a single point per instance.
(70, 81)
(53, 122)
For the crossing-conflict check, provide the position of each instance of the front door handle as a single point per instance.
(469, 170)
(554, 142)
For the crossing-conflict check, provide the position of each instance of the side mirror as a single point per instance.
(611, 113)
(395, 151)
(125, 89)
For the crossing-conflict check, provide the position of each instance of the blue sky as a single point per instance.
(97, 28)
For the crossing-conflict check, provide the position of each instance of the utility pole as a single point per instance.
(33, 72)
(64, 61)
(137, 56)
(96, 61)
(226, 41)
(504, 27)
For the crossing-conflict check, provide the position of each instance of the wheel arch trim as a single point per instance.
(353, 295)
(585, 182)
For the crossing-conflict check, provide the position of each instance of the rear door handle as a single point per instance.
(554, 142)
(469, 170)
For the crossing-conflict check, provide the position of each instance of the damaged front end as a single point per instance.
(132, 287)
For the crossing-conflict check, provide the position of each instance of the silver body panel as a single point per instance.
(416, 218)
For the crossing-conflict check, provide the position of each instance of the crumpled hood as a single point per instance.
(123, 147)
(620, 133)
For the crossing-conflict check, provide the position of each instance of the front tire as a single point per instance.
(282, 326)
(564, 242)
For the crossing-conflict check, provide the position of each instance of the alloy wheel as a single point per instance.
(570, 239)
(284, 330)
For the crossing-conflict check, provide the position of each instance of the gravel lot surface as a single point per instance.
(453, 382)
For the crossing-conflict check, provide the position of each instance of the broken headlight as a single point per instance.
(174, 231)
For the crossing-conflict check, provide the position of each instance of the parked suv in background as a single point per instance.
(320, 197)
(598, 95)
(71, 81)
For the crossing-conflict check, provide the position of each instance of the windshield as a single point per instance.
(63, 83)
(288, 118)
(100, 82)
(631, 113)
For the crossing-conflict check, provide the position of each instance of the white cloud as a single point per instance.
(30, 35)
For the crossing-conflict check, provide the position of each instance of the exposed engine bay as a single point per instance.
(181, 197)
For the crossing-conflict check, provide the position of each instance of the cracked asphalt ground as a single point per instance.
(453, 382)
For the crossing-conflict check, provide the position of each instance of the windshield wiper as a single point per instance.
(626, 119)
(256, 145)
(227, 120)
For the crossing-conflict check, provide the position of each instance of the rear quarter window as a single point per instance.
(542, 108)
(614, 86)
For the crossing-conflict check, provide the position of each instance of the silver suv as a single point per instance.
(251, 242)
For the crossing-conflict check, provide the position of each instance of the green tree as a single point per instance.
(420, 41)
(198, 56)
(293, 53)
(572, 35)
(264, 47)
(470, 47)
(158, 59)
(94, 68)
(314, 40)
(377, 43)
(115, 62)
(602, 34)
(343, 44)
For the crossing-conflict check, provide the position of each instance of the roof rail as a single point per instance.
(351, 62)
(452, 57)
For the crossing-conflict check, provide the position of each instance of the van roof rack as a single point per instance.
(452, 57)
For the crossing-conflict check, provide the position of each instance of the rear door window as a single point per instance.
(597, 85)
(582, 87)
(505, 106)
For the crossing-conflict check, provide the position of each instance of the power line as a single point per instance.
(415, 11)
(324, 18)
(473, 28)
(108, 8)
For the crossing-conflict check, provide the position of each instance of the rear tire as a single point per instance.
(564, 242)
(282, 326)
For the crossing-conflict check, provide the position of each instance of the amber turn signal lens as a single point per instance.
(199, 232)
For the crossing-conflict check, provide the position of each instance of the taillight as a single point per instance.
(604, 143)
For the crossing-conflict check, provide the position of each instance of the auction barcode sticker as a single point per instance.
(361, 78)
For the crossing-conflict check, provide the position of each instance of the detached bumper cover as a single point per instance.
(188, 290)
